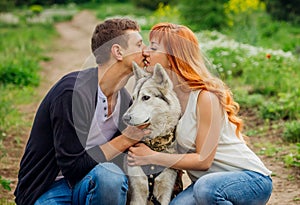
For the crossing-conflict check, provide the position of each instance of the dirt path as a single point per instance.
(72, 52)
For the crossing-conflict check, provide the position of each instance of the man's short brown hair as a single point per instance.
(108, 33)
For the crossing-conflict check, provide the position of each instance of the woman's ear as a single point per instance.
(117, 52)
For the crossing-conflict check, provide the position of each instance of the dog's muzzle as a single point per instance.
(128, 120)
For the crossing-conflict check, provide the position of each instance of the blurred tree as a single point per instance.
(6, 5)
(288, 10)
(149, 4)
(203, 14)
(50, 2)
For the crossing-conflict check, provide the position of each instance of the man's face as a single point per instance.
(134, 50)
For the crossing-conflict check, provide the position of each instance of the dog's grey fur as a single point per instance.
(154, 102)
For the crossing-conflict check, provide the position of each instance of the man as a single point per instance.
(75, 143)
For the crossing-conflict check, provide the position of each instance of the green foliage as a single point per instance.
(268, 78)
(5, 183)
(5, 108)
(291, 131)
(21, 53)
(6, 5)
(243, 17)
(283, 106)
(36, 9)
(164, 13)
(248, 100)
(60, 2)
(149, 4)
(268, 149)
(284, 10)
(117, 9)
(23, 72)
(259, 29)
(21, 48)
(293, 159)
(202, 14)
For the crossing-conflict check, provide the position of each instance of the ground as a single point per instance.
(71, 51)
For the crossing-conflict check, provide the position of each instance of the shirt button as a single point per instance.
(105, 115)
(105, 108)
(103, 101)
(152, 167)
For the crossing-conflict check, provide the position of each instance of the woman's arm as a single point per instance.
(209, 117)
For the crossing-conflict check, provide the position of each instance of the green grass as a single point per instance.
(24, 44)
(22, 50)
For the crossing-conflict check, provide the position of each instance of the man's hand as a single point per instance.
(130, 136)
(136, 133)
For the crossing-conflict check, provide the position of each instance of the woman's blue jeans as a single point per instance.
(105, 184)
(227, 188)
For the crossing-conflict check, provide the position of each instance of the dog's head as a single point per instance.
(154, 102)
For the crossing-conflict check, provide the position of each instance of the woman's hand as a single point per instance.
(140, 154)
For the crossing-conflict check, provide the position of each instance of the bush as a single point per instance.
(291, 131)
(21, 72)
(36, 9)
(202, 14)
(283, 106)
(6, 5)
(21, 52)
(5, 183)
(242, 19)
(149, 4)
(284, 10)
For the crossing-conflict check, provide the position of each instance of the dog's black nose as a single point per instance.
(126, 118)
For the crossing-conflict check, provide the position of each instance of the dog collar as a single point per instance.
(160, 143)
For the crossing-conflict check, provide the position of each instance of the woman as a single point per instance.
(223, 170)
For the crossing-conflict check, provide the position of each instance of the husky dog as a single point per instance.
(154, 103)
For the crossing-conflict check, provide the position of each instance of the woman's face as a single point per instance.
(156, 53)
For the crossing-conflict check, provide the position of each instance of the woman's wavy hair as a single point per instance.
(184, 54)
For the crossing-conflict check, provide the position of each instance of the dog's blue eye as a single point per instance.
(145, 97)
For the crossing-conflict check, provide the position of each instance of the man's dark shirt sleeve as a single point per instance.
(70, 138)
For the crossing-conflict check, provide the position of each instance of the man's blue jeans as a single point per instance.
(227, 188)
(105, 184)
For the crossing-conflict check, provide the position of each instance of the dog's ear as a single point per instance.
(138, 72)
(161, 77)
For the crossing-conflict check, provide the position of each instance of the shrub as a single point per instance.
(164, 13)
(36, 9)
(21, 52)
(291, 131)
(149, 4)
(5, 183)
(249, 100)
(6, 5)
(202, 14)
(284, 9)
(243, 17)
(21, 73)
(283, 106)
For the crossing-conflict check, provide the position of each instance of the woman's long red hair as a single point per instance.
(185, 57)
